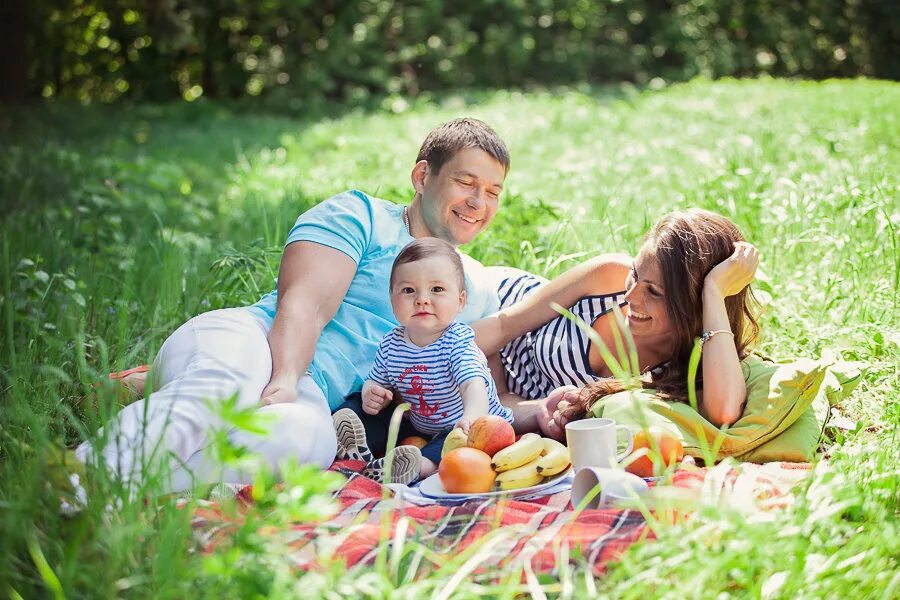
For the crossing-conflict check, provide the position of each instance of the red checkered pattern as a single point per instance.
(512, 532)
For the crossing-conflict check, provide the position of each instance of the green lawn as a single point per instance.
(120, 223)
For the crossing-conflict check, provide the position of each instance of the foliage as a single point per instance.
(300, 54)
(156, 213)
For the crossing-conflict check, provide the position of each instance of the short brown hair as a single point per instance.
(445, 141)
(429, 247)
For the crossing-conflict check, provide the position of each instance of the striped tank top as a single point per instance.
(556, 353)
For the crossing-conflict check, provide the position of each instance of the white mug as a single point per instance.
(592, 443)
(615, 486)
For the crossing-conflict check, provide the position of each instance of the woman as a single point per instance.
(690, 279)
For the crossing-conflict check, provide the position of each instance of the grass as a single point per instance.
(120, 223)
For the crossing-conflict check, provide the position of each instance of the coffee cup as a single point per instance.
(592, 443)
(615, 485)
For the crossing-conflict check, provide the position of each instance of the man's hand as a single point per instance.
(278, 392)
(375, 397)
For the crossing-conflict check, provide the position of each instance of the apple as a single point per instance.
(490, 434)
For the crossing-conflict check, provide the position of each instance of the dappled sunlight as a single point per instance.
(121, 223)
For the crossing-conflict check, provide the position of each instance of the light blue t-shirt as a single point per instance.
(371, 232)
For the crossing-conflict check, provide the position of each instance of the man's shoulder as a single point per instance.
(357, 197)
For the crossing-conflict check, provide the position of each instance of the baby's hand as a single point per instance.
(464, 424)
(375, 397)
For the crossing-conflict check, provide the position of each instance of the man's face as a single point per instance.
(460, 200)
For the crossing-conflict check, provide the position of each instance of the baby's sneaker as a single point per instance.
(351, 436)
(405, 470)
(65, 477)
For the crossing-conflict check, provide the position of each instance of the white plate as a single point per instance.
(431, 487)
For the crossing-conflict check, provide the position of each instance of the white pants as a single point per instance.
(204, 362)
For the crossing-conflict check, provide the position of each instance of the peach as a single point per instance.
(669, 451)
(455, 439)
(490, 434)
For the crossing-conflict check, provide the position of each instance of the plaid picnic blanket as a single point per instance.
(512, 533)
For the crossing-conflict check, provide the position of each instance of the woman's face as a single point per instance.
(646, 297)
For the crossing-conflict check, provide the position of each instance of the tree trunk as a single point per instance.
(13, 51)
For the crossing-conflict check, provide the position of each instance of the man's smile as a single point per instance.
(466, 218)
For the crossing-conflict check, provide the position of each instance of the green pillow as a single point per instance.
(787, 406)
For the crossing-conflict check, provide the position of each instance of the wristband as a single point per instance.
(707, 335)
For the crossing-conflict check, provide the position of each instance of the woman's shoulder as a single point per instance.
(606, 273)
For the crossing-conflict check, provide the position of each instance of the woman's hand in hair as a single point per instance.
(736, 272)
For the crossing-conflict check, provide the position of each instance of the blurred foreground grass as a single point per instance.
(120, 223)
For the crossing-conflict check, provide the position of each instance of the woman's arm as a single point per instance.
(312, 282)
(604, 274)
(724, 389)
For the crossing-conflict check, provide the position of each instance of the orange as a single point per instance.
(413, 440)
(466, 471)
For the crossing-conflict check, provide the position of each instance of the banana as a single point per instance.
(524, 451)
(554, 459)
(523, 476)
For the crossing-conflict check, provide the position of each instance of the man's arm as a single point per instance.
(312, 282)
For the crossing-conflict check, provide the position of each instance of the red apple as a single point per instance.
(490, 434)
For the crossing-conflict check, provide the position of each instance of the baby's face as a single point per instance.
(426, 296)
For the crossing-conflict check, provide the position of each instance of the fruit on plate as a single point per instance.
(455, 439)
(490, 434)
(554, 458)
(466, 471)
(523, 476)
(413, 440)
(519, 453)
(668, 451)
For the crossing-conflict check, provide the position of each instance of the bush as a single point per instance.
(302, 52)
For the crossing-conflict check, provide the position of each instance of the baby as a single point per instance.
(430, 360)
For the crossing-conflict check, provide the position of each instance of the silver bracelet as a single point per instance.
(707, 335)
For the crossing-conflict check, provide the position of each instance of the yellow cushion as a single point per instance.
(787, 407)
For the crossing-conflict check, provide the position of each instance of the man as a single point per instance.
(302, 348)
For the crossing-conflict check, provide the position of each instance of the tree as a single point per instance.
(13, 52)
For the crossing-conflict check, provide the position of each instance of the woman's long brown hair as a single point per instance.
(688, 245)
